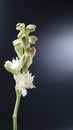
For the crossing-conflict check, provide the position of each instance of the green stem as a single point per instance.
(18, 96)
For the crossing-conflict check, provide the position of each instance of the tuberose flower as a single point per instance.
(14, 66)
(24, 81)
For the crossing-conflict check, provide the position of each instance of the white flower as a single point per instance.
(14, 66)
(24, 81)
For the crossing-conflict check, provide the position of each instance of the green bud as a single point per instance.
(23, 60)
(33, 51)
(20, 26)
(30, 51)
(25, 42)
(32, 39)
(27, 63)
(21, 35)
(31, 27)
(16, 42)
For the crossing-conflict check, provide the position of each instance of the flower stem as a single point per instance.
(18, 96)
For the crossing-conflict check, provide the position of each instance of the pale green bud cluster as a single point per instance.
(22, 44)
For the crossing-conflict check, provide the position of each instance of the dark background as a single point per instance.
(50, 105)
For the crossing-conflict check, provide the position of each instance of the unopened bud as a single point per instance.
(20, 26)
(31, 27)
(25, 42)
(23, 60)
(32, 39)
(33, 51)
(16, 42)
(20, 35)
(27, 64)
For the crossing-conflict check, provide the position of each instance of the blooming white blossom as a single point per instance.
(24, 81)
(13, 66)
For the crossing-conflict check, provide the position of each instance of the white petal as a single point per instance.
(15, 63)
(8, 66)
(24, 81)
(24, 92)
(32, 86)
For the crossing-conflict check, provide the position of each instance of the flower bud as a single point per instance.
(16, 42)
(27, 64)
(33, 51)
(25, 42)
(30, 52)
(23, 60)
(20, 26)
(20, 35)
(31, 27)
(32, 39)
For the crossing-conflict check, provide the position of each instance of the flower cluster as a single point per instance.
(19, 67)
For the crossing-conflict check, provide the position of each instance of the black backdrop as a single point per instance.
(50, 105)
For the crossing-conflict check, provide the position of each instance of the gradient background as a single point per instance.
(50, 105)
